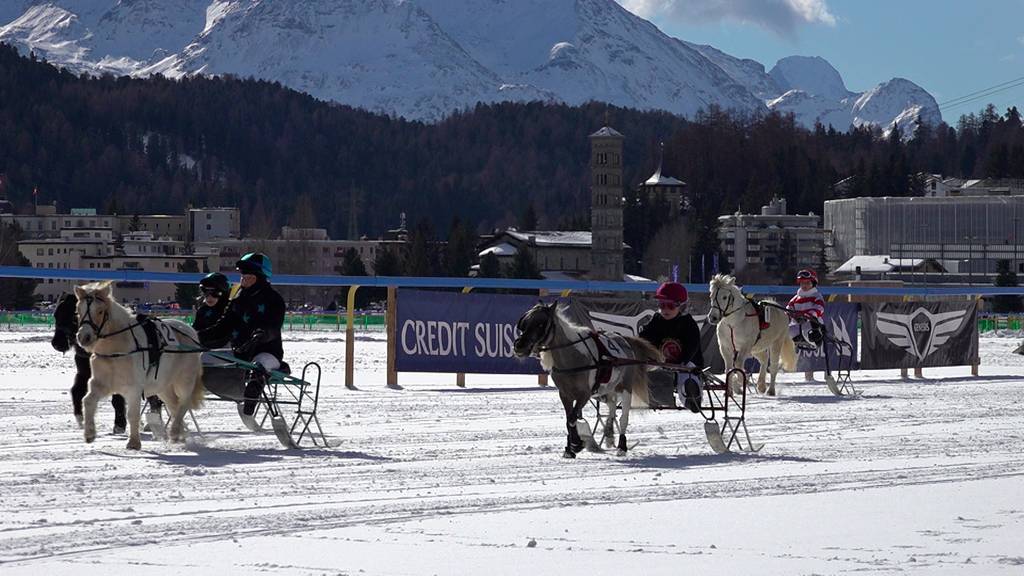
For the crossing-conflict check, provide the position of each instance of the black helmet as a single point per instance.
(255, 263)
(215, 283)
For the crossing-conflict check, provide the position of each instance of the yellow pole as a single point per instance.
(350, 339)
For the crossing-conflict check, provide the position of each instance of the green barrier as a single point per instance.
(293, 321)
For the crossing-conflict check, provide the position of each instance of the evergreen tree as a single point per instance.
(460, 250)
(490, 266)
(186, 294)
(528, 220)
(524, 266)
(386, 263)
(1006, 277)
(352, 265)
(15, 293)
(420, 261)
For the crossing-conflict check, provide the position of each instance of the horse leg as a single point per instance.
(573, 443)
(776, 356)
(133, 404)
(177, 409)
(80, 386)
(89, 402)
(117, 401)
(762, 359)
(611, 403)
(626, 398)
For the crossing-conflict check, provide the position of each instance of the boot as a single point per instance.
(253, 391)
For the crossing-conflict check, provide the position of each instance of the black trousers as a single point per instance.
(81, 387)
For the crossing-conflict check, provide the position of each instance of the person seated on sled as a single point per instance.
(805, 325)
(252, 323)
(673, 331)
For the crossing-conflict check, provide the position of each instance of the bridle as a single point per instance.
(539, 345)
(726, 312)
(87, 320)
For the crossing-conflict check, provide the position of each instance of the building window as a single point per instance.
(209, 216)
(49, 252)
(39, 251)
(208, 227)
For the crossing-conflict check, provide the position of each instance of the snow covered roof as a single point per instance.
(574, 238)
(607, 132)
(503, 249)
(635, 278)
(877, 264)
(657, 179)
(563, 275)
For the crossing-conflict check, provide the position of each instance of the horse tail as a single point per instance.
(788, 357)
(198, 391)
(645, 352)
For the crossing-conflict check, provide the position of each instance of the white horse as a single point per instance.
(121, 363)
(741, 336)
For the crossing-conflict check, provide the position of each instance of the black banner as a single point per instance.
(919, 334)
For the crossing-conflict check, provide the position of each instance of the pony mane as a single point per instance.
(118, 311)
(568, 323)
(722, 280)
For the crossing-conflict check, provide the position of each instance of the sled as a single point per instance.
(287, 402)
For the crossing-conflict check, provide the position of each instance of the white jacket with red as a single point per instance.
(809, 302)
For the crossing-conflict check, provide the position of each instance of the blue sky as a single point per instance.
(950, 48)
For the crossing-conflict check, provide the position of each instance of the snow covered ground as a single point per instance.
(918, 476)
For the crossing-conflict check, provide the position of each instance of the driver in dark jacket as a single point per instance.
(252, 322)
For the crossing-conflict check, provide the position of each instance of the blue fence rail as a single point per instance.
(505, 283)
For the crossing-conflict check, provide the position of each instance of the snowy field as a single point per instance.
(915, 477)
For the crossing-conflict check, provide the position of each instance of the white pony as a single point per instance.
(123, 364)
(741, 336)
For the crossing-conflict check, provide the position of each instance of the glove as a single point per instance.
(245, 349)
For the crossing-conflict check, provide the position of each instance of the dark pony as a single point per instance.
(583, 364)
(65, 322)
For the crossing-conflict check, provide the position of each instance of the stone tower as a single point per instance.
(606, 204)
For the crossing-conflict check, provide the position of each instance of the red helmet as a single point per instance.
(807, 274)
(672, 292)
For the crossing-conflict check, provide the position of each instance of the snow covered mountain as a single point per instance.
(813, 91)
(423, 59)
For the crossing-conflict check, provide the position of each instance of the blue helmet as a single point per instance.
(255, 263)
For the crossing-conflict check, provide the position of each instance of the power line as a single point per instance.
(947, 102)
(981, 94)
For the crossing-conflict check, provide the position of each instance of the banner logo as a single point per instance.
(618, 323)
(920, 333)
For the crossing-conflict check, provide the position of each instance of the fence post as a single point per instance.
(903, 373)
(809, 376)
(391, 325)
(460, 377)
(350, 339)
(542, 378)
(918, 372)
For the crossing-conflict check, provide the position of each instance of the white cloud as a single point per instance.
(1020, 39)
(780, 16)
